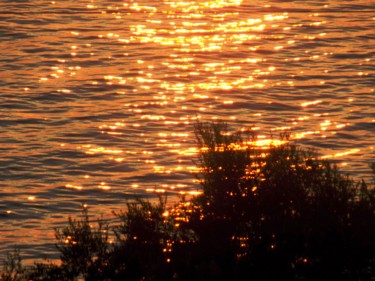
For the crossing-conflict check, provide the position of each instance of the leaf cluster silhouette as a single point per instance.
(280, 213)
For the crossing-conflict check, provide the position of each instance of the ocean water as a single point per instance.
(98, 99)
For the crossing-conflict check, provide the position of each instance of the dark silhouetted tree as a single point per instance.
(280, 213)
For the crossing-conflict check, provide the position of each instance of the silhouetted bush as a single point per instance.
(12, 267)
(143, 240)
(280, 213)
(84, 249)
(45, 272)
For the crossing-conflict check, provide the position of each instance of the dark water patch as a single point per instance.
(352, 55)
(271, 106)
(36, 50)
(101, 87)
(103, 116)
(365, 38)
(56, 162)
(316, 86)
(17, 104)
(23, 121)
(354, 8)
(54, 98)
(14, 35)
(84, 168)
(365, 126)
(110, 166)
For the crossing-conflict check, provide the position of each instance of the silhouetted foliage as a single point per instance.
(45, 272)
(143, 237)
(280, 213)
(84, 249)
(12, 267)
(288, 211)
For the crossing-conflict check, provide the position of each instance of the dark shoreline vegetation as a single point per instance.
(276, 214)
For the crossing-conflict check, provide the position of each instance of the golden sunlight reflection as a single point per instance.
(104, 186)
(305, 104)
(191, 33)
(213, 55)
(90, 149)
(340, 154)
(73, 186)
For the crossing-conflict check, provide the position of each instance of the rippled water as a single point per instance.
(98, 98)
